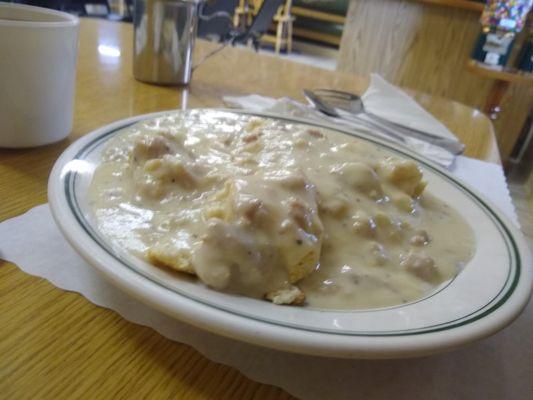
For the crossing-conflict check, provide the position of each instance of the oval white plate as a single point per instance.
(486, 296)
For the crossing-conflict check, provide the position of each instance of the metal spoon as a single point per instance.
(332, 112)
(331, 101)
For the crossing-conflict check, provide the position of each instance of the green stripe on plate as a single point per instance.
(506, 291)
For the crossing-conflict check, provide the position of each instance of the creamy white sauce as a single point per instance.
(272, 209)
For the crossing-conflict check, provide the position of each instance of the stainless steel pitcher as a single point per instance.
(164, 33)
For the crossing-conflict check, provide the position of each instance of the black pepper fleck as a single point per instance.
(299, 242)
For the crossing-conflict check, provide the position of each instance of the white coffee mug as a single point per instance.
(38, 50)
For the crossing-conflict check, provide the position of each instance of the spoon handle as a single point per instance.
(453, 146)
(371, 124)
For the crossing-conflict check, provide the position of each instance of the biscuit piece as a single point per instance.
(167, 255)
(406, 175)
(292, 296)
(303, 267)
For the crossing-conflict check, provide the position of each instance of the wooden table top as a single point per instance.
(56, 344)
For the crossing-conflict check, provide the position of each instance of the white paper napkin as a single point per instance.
(496, 368)
(391, 103)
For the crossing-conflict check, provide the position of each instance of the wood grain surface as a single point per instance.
(506, 75)
(426, 46)
(56, 344)
(464, 4)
